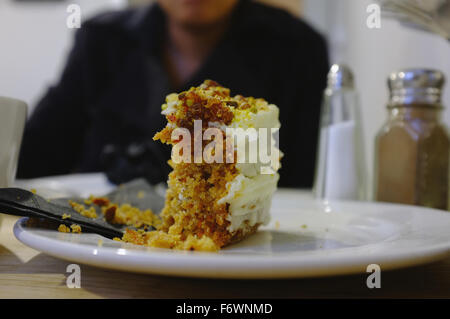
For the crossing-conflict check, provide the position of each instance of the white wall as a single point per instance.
(34, 43)
(374, 53)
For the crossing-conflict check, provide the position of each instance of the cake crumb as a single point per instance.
(76, 228)
(128, 215)
(99, 201)
(63, 228)
(161, 239)
(81, 209)
(65, 216)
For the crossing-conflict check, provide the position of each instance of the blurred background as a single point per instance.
(35, 42)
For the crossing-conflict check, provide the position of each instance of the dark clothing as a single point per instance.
(103, 113)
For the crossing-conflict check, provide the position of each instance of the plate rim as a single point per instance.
(239, 266)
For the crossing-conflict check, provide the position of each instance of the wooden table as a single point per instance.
(27, 273)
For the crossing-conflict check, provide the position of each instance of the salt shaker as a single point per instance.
(340, 168)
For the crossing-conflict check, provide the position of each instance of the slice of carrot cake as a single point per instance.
(224, 161)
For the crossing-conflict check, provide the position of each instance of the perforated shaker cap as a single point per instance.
(416, 86)
(340, 76)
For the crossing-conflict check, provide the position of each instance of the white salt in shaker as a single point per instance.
(340, 168)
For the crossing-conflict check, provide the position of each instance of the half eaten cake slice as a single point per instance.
(209, 199)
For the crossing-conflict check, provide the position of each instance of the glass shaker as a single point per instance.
(412, 147)
(340, 167)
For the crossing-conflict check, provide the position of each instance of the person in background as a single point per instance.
(104, 111)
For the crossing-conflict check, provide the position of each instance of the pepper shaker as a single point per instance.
(413, 146)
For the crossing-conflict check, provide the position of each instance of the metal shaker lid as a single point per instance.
(340, 76)
(416, 86)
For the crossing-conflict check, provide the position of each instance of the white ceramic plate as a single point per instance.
(81, 185)
(305, 238)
